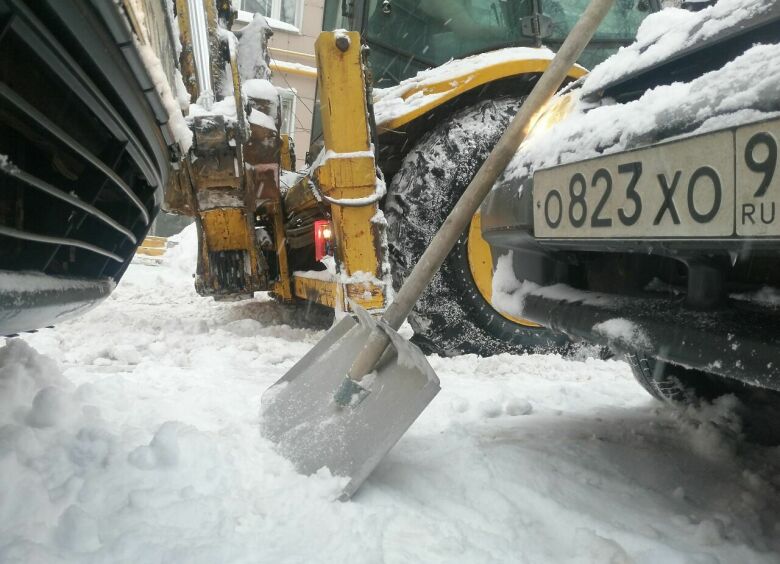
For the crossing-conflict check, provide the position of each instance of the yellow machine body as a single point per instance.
(346, 178)
(460, 83)
(344, 186)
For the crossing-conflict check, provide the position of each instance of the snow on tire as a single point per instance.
(452, 317)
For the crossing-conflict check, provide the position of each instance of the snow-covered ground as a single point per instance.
(132, 435)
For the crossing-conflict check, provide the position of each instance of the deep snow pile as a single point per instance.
(132, 435)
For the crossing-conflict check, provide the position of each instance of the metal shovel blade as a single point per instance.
(311, 430)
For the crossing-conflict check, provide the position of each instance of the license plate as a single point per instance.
(724, 184)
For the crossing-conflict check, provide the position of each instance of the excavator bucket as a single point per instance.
(312, 430)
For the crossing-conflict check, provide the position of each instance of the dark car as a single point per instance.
(642, 212)
(85, 153)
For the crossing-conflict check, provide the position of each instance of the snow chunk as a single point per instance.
(710, 532)
(261, 89)
(24, 373)
(50, 406)
(623, 332)
(257, 117)
(509, 293)
(183, 253)
(489, 409)
(162, 452)
(253, 41)
(225, 107)
(77, 531)
(596, 548)
(714, 429)
(517, 406)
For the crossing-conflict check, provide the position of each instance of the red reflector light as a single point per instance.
(323, 238)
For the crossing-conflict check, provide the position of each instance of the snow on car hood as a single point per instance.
(668, 32)
(741, 91)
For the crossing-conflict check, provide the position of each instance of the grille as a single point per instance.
(80, 170)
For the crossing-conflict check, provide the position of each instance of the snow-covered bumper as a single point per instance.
(646, 214)
(682, 268)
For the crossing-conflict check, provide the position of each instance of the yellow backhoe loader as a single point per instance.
(387, 165)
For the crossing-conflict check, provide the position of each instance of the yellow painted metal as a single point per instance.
(293, 53)
(186, 59)
(356, 236)
(331, 294)
(300, 197)
(554, 111)
(366, 295)
(236, 80)
(356, 239)
(342, 93)
(455, 86)
(292, 68)
(153, 246)
(286, 161)
(150, 251)
(348, 172)
(343, 173)
(226, 229)
(282, 288)
(152, 241)
(481, 267)
(322, 292)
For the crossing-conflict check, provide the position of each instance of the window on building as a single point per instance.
(287, 98)
(287, 11)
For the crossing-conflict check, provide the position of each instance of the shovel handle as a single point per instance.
(480, 185)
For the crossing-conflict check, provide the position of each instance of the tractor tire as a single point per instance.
(452, 317)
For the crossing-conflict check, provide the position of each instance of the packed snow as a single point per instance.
(253, 40)
(173, 102)
(132, 435)
(23, 282)
(668, 32)
(260, 89)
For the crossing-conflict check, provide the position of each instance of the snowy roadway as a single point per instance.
(132, 435)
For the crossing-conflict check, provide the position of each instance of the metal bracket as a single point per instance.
(537, 26)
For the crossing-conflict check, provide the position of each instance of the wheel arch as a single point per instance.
(398, 135)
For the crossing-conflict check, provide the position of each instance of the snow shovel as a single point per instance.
(347, 402)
